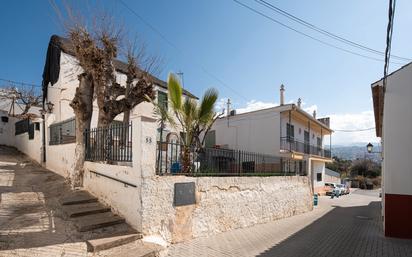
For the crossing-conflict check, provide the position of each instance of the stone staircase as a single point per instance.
(102, 228)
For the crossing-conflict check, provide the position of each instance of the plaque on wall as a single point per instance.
(184, 194)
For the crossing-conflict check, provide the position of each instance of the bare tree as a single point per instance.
(27, 97)
(89, 57)
(97, 50)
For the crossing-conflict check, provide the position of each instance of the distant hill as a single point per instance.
(354, 151)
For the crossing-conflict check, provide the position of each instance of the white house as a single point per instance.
(393, 119)
(285, 131)
(171, 206)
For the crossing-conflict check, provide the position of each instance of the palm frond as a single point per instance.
(175, 92)
(161, 112)
(207, 105)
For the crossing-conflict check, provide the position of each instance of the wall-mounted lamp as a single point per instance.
(50, 106)
(369, 147)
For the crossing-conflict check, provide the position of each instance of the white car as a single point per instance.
(331, 188)
(341, 188)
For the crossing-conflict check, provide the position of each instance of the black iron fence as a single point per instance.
(173, 159)
(111, 144)
(291, 144)
(63, 132)
(21, 126)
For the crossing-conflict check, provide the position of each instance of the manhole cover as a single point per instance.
(363, 217)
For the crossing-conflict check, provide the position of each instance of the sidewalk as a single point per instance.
(29, 223)
(346, 226)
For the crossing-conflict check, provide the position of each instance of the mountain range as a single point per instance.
(355, 151)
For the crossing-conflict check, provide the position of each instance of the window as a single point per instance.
(162, 99)
(21, 127)
(319, 142)
(31, 131)
(62, 132)
(210, 140)
(290, 131)
(318, 177)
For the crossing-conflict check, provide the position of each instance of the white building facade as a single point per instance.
(286, 131)
(393, 118)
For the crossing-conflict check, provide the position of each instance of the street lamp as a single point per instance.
(369, 147)
(50, 106)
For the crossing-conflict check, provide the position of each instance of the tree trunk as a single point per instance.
(82, 105)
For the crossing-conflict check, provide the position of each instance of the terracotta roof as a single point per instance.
(66, 46)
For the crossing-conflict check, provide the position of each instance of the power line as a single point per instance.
(325, 32)
(389, 32)
(19, 83)
(354, 130)
(162, 36)
(307, 35)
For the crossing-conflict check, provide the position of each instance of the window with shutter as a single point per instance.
(162, 99)
(290, 131)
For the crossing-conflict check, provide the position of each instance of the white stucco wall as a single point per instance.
(318, 167)
(260, 131)
(397, 128)
(222, 204)
(300, 127)
(7, 130)
(32, 147)
(255, 132)
(122, 198)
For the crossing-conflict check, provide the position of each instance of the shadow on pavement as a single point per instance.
(344, 231)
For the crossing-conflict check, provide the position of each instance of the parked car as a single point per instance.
(341, 188)
(330, 188)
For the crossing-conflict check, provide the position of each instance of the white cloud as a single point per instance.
(310, 109)
(254, 105)
(353, 121)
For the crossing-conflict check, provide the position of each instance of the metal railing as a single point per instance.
(111, 144)
(63, 132)
(170, 160)
(21, 126)
(291, 144)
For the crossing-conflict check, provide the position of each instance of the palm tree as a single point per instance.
(194, 119)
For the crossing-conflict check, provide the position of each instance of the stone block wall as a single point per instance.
(222, 204)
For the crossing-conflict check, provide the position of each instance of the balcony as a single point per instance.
(290, 144)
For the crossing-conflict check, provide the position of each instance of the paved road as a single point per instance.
(30, 224)
(345, 226)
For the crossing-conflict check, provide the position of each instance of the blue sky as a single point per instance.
(248, 53)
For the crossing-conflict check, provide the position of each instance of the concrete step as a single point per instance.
(135, 249)
(78, 197)
(96, 221)
(83, 209)
(95, 245)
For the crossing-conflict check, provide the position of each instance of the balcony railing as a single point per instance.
(291, 144)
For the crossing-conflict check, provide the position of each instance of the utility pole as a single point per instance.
(228, 110)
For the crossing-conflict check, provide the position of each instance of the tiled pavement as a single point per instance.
(345, 226)
(29, 223)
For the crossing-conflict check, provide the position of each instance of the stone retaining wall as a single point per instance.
(222, 204)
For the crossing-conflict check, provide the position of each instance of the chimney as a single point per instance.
(299, 102)
(282, 94)
(314, 114)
